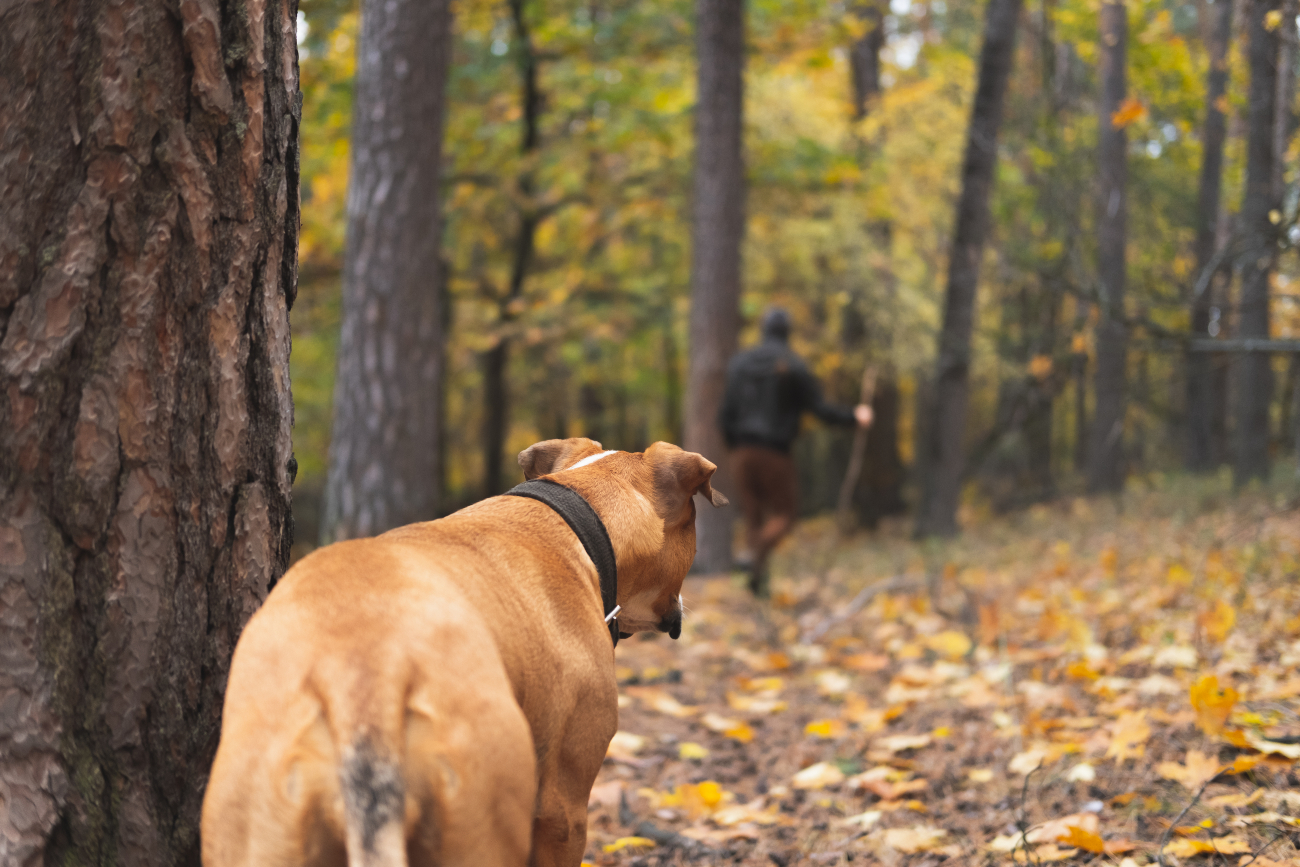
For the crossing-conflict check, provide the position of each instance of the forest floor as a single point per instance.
(1074, 683)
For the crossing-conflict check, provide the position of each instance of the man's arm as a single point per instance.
(814, 401)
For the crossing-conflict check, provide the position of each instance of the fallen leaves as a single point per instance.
(818, 776)
(1212, 703)
(1129, 738)
(1197, 769)
(1186, 848)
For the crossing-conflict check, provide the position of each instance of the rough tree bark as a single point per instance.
(947, 428)
(496, 384)
(718, 228)
(148, 260)
(1106, 437)
(1200, 372)
(1253, 371)
(384, 450)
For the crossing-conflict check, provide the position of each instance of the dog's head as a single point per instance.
(646, 501)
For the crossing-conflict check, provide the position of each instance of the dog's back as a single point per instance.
(363, 755)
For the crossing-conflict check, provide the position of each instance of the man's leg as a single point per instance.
(746, 475)
(780, 500)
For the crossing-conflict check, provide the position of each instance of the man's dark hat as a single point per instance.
(776, 323)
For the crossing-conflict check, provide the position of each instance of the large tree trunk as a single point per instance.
(1253, 388)
(148, 241)
(496, 361)
(1106, 438)
(1200, 372)
(946, 446)
(384, 450)
(718, 228)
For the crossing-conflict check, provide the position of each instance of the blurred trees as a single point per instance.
(385, 450)
(1115, 112)
(1205, 398)
(718, 225)
(148, 261)
(1260, 217)
(598, 335)
(945, 455)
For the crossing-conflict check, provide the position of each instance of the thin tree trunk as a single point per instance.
(864, 55)
(880, 492)
(1106, 438)
(148, 235)
(384, 449)
(1200, 402)
(496, 362)
(1253, 384)
(718, 228)
(938, 512)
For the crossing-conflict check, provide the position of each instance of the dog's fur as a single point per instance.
(445, 693)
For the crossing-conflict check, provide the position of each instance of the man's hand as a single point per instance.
(863, 414)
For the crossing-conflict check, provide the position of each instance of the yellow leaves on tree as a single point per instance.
(1212, 703)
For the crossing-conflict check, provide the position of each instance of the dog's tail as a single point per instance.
(374, 806)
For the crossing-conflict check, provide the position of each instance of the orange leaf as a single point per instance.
(1212, 703)
(1083, 839)
(1129, 111)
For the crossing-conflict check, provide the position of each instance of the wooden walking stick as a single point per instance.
(844, 506)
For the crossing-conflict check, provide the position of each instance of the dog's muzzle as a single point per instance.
(672, 622)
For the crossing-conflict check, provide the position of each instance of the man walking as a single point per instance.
(769, 388)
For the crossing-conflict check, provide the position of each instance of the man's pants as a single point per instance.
(769, 496)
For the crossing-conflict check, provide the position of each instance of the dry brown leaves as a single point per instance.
(1078, 678)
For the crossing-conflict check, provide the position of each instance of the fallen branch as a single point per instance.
(1164, 838)
(865, 595)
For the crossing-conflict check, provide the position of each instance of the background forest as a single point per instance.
(849, 220)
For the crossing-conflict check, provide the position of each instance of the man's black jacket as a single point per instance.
(768, 390)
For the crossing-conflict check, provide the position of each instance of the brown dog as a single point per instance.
(445, 693)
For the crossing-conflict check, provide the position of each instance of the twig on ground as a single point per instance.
(1022, 823)
(865, 595)
(1164, 838)
(1261, 850)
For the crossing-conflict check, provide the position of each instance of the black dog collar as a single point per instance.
(589, 529)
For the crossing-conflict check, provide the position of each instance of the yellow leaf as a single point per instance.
(979, 775)
(1027, 762)
(1273, 20)
(1212, 703)
(630, 842)
(1236, 800)
(1130, 737)
(1083, 839)
(950, 643)
(899, 743)
(1129, 111)
(1218, 622)
(691, 750)
(942, 732)
(825, 728)
(1079, 344)
(1040, 367)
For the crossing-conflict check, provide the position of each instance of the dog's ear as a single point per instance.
(551, 456)
(679, 475)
